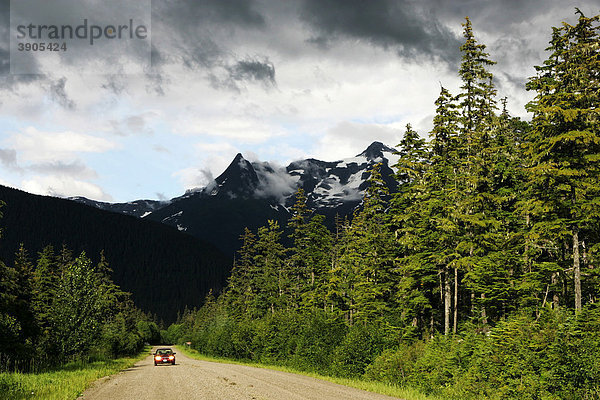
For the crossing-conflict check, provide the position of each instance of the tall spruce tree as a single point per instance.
(444, 187)
(369, 254)
(409, 221)
(476, 201)
(273, 281)
(241, 286)
(477, 96)
(564, 145)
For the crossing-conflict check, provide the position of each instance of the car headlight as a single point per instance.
(158, 358)
(171, 357)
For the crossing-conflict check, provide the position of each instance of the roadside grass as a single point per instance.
(370, 386)
(63, 383)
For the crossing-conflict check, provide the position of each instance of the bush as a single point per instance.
(396, 366)
(360, 347)
(276, 337)
(317, 340)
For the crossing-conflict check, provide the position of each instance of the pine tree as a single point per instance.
(273, 281)
(477, 90)
(564, 144)
(369, 255)
(23, 296)
(318, 259)
(300, 270)
(476, 200)
(10, 327)
(409, 222)
(310, 255)
(444, 187)
(339, 278)
(241, 286)
(46, 277)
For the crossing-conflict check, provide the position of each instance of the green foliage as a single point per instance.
(318, 338)
(59, 309)
(360, 347)
(563, 147)
(148, 332)
(457, 284)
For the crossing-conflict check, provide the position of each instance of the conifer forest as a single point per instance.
(478, 278)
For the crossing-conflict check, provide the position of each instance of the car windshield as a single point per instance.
(164, 351)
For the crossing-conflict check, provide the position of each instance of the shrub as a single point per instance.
(360, 347)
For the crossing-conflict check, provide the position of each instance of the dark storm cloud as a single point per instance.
(197, 34)
(183, 30)
(495, 15)
(8, 81)
(254, 70)
(396, 24)
(190, 13)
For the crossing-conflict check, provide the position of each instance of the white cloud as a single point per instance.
(37, 146)
(348, 139)
(240, 129)
(194, 177)
(64, 186)
(329, 102)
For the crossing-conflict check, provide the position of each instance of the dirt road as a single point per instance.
(194, 379)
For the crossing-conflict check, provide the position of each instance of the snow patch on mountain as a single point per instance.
(172, 217)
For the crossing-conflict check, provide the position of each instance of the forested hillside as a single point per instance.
(164, 269)
(58, 308)
(478, 279)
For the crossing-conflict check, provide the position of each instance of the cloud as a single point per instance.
(349, 138)
(161, 149)
(64, 186)
(254, 70)
(65, 169)
(115, 83)
(134, 124)
(161, 197)
(212, 160)
(395, 24)
(39, 146)
(8, 158)
(275, 182)
(194, 177)
(241, 128)
(59, 94)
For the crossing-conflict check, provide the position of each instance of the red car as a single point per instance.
(164, 356)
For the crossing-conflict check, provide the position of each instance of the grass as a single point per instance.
(370, 386)
(64, 383)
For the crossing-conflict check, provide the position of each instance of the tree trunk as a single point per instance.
(576, 271)
(483, 313)
(555, 298)
(431, 325)
(447, 301)
(455, 300)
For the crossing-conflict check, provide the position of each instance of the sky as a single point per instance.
(275, 80)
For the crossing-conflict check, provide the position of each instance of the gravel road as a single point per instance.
(194, 379)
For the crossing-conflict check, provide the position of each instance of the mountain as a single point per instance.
(138, 208)
(164, 269)
(247, 194)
